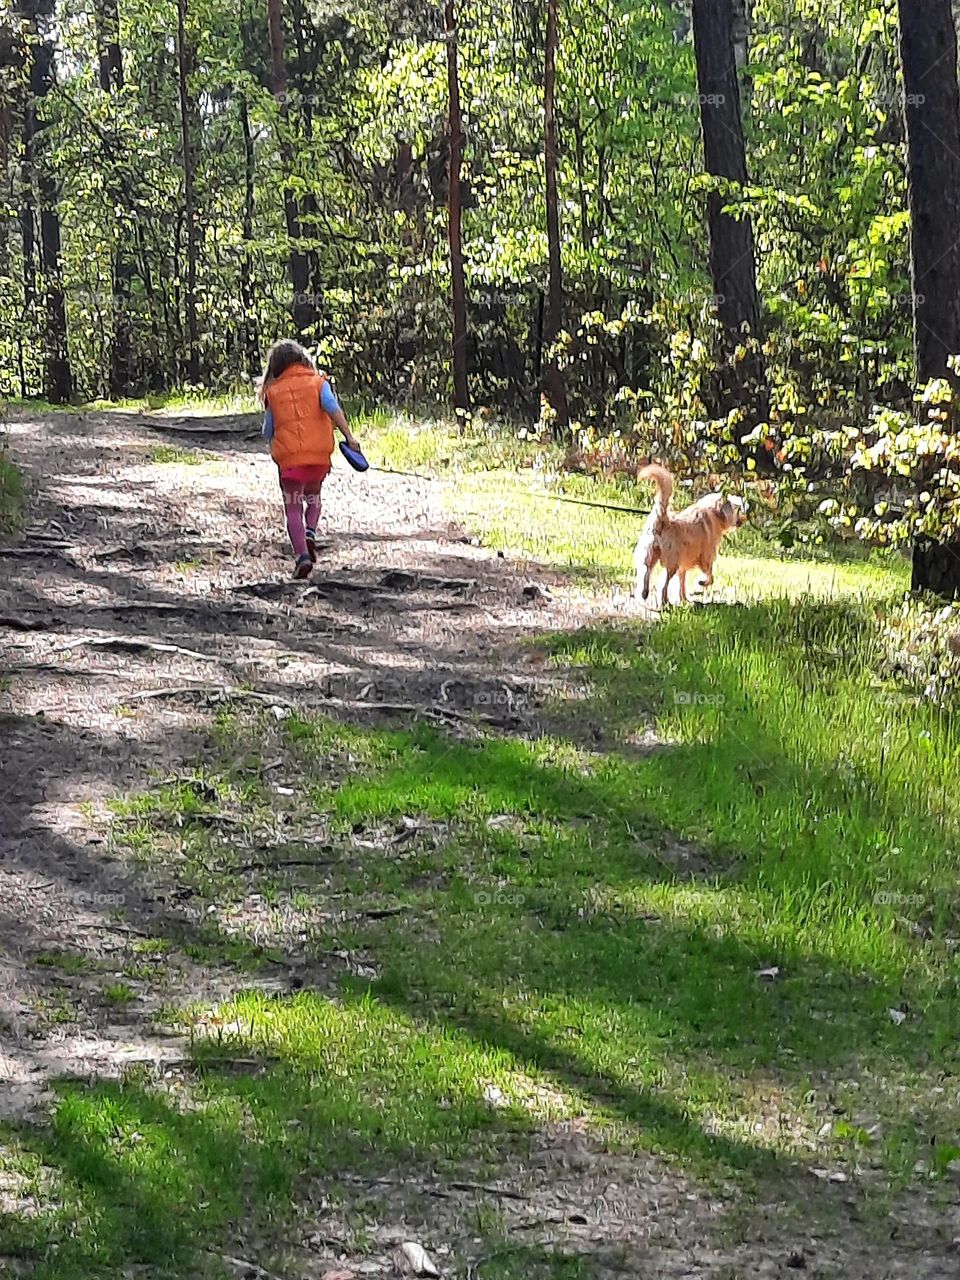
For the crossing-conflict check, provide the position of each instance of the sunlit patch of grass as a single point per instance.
(670, 942)
(71, 962)
(119, 993)
(517, 512)
(166, 453)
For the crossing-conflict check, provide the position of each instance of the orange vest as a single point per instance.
(302, 429)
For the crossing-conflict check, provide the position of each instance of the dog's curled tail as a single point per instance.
(662, 478)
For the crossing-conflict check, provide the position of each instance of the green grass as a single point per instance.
(240, 399)
(690, 948)
(119, 993)
(11, 494)
(511, 491)
(580, 933)
(167, 453)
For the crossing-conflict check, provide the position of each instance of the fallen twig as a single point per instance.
(220, 692)
(442, 1193)
(411, 708)
(504, 1192)
(121, 928)
(285, 862)
(135, 645)
(252, 1268)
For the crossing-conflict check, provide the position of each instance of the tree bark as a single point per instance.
(109, 55)
(299, 266)
(184, 61)
(28, 233)
(58, 379)
(928, 53)
(554, 390)
(251, 343)
(733, 266)
(461, 398)
(121, 380)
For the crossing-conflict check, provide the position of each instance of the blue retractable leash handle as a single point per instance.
(354, 457)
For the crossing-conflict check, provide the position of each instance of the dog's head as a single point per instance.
(730, 511)
(734, 511)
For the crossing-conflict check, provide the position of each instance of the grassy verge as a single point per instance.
(11, 494)
(736, 950)
(510, 490)
(706, 919)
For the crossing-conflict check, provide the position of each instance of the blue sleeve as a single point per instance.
(268, 425)
(328, 400)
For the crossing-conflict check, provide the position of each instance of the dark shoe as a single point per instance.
(303, 568)
(312, 545)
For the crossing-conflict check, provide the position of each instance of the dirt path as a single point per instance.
(150, 585)
(151, 582)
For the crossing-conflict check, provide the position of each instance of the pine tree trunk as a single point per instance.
(121, 381)
(184, 60)
(928, 52)
(110, 57)
(28, 238)
(39, 176)
(553, 387)
(461, 398)
(299, 265)
(732, 255)
(251, 344)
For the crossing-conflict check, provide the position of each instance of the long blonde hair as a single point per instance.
(280, 357)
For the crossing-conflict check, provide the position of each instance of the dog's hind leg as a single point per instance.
(644, 560)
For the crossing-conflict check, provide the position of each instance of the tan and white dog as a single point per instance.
(682, 540)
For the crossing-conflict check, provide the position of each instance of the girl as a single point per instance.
(302, 411)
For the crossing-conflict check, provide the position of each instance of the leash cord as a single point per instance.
(551, 497)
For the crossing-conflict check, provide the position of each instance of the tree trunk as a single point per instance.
(184, 60)
(461, 399)
(28, 238)
(110, 58)
(299, 265)
(553, 388)
(732, 256)
(251, 344)
(308, 213)
(57, 378)
(928, 52)
(110, 67)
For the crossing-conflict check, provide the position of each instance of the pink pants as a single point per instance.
(300, 487)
